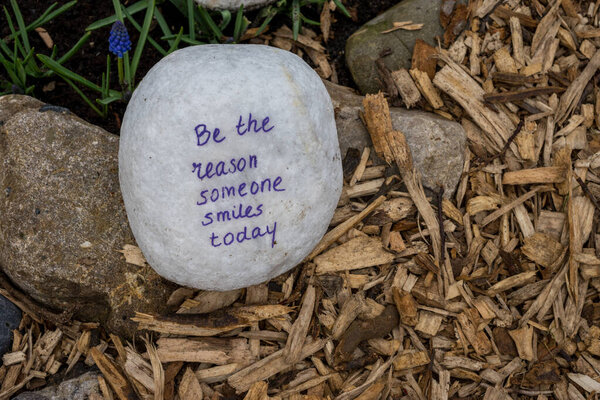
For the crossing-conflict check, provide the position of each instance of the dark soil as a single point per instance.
(90, 61)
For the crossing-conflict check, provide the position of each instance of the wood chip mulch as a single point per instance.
(492, 293)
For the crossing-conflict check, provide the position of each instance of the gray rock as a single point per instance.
(63, 220)
(80, 388)
(365, 45)
(437, 144)
(10, 317)
(233, 4)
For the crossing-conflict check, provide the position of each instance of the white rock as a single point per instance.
(166, 148)
(233, 4)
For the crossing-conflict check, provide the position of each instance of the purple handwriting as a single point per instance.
(242, 236)
(242, 190)
(209, 170)
(252, 125)
(226, 215)
(204, 135)
(218, 169)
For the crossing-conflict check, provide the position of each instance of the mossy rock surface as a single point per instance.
(366, 44)
(63, 219)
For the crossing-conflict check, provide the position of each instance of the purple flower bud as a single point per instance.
(118, 41)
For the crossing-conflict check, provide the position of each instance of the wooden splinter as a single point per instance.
(392, 146)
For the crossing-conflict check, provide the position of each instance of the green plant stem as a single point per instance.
(120, 69)
(191, 24)
(139, 47)
(128, 77)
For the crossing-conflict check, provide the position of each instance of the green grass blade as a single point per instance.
(74, 49)
(41, 18)
(10, 70)
(239, 20)
(191, 22)
(309, 21)
(137, 26)
(20, 73)
(107, 100)
(187, 40)
(18, 48)
(264, 25)
(184, 39)
(66, 73)
(143, 35)
(339, 5)
(132, 9)
(6, 49)
(210, 22)
(15, 35)
(48, 16)
(83, 96)
(118, 12)
(104, 85)
(225, 19)
(21, 24)
(127, 65)
(105, 89)
(162, 23)
(29, 56)
(176, 41)
(296, 18)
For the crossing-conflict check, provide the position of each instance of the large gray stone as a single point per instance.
(366, 44)
(63, 220)
(229, 164)
(81, 388)
(437, 144)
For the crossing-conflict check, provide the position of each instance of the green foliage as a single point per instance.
(203, 26)
(293, 10)
(127, 67)
(17, 57)
(200, 26)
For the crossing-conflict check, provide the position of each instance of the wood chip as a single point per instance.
(360, 252)
(426, 88)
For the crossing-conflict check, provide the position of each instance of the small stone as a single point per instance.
(10, 318)
(229, 164)
(366, 44)
(233, 4)
(437, 144)
(59, 176)
(83, 387)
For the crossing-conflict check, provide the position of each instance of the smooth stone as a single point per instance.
(233, 4)
(366, 44)
(83, 387)
(63, 220)
(191, 230)
(437, 144)
(10, 318)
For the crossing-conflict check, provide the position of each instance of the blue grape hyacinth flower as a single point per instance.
(118, 40)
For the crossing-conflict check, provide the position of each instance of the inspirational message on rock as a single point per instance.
(247, 195)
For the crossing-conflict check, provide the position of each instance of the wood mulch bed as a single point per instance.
(492, 293)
